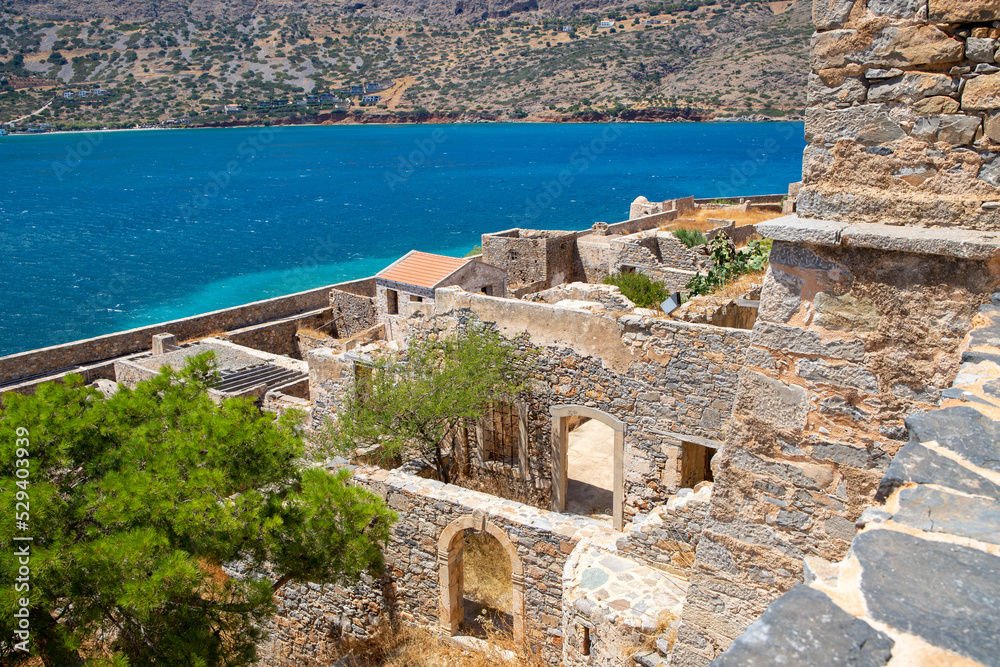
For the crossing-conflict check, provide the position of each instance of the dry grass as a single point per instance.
(751, 217)
(699, 220)
(218, 333)
(420, 647)
(312, 333)
(487, 572)
(740, 286)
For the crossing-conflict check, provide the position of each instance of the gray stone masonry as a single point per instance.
(903, 123)
(848, 341)
(921, 582)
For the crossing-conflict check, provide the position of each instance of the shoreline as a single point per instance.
(354, 123)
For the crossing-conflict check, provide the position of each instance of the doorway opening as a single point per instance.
(696, 465)
(565, 416)
(487, 590)
(590, 466)
(481, 579)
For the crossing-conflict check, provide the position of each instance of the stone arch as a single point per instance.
(560, 447)
(450, 571)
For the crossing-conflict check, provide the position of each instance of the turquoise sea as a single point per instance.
(105, 231)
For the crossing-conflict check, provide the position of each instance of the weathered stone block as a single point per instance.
(939, 511)
(962, 11)
(904, 9)
(980, 49)
(982, 93)
(928, 241)
(845, 312)
(932, 590)
(869, 123)
(936, 105)
(991, 127)
(780, 298)
(911, 87)
(845, 375)
(782, 636)
(916, 463)
(831, 13)
(851, 91)
(773, 401)
(794, 229)
(990, 172)
(954, 129)
(965, 431)
(803, 341)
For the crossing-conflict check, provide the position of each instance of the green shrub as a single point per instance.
(639, 288)
(730, 264)
(690, 237)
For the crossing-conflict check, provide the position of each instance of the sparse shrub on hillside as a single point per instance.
(639, 288)
(690, 237)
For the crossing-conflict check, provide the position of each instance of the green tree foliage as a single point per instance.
(639, 288)
(690, 237)
(138, 499)
(412, 402)
(729, 263)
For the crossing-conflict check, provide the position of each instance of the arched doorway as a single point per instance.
(561, 416)
(451, 573)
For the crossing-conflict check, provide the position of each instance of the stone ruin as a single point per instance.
(815, 482)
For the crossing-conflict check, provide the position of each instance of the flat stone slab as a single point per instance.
(625, 591)
(916, 463)
(794, 229)
(963, 430)
(964, 244)
(938, 511)
(804, 627)
(946, 594)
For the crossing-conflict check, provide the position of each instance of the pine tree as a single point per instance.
(134, 503)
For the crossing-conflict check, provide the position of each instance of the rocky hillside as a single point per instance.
(540, 62)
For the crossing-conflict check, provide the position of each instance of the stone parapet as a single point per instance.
(957, 243)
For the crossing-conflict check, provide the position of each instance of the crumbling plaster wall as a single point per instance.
(858, 326)
(903, 123)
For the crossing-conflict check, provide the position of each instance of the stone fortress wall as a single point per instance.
(904, 118)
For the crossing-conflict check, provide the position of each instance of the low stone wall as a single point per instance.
(61, 357)
(666, 537)
(280, 337)
(921, 582)
(312, 617)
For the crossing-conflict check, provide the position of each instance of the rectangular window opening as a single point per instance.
(392, 301)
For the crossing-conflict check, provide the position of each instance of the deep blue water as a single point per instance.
(105, 231)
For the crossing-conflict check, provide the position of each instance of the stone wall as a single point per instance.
(859, 325)
(920, 583)
(311, 617)
(903, 123)
(353, 308)
(58, 357)
(280, 337)
(667, 381)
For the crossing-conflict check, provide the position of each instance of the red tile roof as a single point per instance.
(421, 269)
